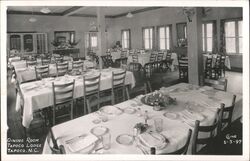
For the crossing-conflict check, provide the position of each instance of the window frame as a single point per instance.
(237, 45)
(170, 36)
(205, 36)
(129, 39)
(153, 37)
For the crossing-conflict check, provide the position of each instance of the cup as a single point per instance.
(106, 141)
(158, 124)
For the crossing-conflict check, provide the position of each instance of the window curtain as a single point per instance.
(222, 38)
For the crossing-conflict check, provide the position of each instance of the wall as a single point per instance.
(169, 15)
(49, 24)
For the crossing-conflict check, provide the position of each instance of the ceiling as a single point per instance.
(82, 11)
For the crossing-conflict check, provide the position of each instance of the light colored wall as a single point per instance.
(49, 24)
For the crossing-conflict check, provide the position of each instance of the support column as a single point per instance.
(195, 57)
(101, 36)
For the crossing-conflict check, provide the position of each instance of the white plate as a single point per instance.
(129, 110)
(125, 139)
(99, 130)
(111, 110)
(171, 115)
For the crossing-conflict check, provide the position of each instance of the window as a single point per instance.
(93, 42)
(233, 36)
(164, 37)
(148, 37)
(126, 39)
(207, 37)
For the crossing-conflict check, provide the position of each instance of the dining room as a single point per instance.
(141, 80)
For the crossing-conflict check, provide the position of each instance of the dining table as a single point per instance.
(144, 58)
(24, 73)
(38, 94)
(192, 103)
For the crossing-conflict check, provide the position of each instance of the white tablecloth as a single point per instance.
(227, 60)
(175, 130)
(42, 96)
(27, 74)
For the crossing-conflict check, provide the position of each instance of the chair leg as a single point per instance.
(88, 106)
(113, 97)
(127, 93)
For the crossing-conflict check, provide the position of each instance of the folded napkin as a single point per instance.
(152, 140)
(82, 143)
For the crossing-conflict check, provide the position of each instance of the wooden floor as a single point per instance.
(167, 79)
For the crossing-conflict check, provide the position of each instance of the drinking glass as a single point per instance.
(106, 140)
(158, 124)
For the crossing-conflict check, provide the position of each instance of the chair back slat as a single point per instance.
(118, 79)
(153, 57)
(135, 58)
(160, 56)
(77, 65)
(62, 68)
(91, 85)
(42, 72)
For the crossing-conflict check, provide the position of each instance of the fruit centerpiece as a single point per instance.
(158, 99)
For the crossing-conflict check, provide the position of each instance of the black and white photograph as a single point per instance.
(143, 80)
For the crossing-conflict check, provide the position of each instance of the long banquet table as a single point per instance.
(204, 101)
(38, 94)
(25, 74)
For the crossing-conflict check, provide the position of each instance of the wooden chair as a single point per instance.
(118, 83)
(141, 85)
(123, 54)
(63, 100)
(208, 68)
(77, 65)
(53, 144)
(153, 57)
(182, 150)
(222, 65)
(183, 69)
(216, 70)
(42, 72)
(227, 114)
(62, 68)
(31, 62)
(107, 61)
(220, 84)
(213, 131)
(46, 60)
(58, 59)
(121, 61)
(135, 58)
(168, 61)
(91, 89)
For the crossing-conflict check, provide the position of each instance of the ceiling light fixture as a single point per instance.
(45, 10)
(32, 19)
(129, 15)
